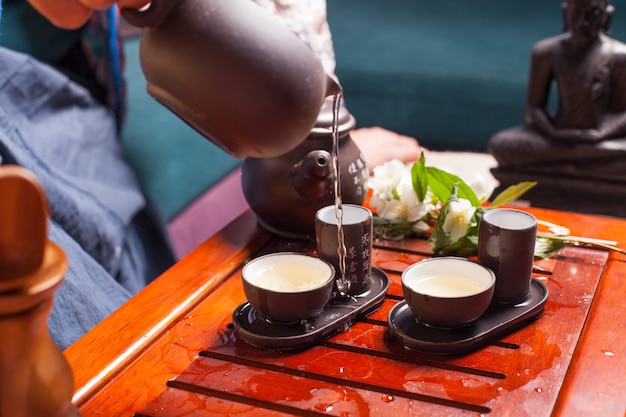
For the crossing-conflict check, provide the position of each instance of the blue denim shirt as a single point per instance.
(99, 216)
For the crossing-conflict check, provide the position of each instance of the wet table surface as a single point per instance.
(172, 350)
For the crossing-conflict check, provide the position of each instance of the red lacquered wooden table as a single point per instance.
(172, 349)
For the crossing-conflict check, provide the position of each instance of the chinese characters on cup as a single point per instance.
(357, 226)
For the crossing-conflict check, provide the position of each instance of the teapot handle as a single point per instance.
(153, 15)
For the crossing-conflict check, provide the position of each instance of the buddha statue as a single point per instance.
(584, 138)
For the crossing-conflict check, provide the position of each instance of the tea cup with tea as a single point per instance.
(287, 287)
(448, 291)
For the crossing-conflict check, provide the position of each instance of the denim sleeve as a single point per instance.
(87, 295)
(98, 214)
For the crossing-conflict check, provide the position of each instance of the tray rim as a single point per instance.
(302, 341)
(469, 343)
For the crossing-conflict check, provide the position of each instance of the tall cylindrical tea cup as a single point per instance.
(506, 245)
(357, 223)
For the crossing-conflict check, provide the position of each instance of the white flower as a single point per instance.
(482, 187)
(392, 210)
(458, 217)
(393, 196)
(385, 178)
(390, 169)
(405, 193)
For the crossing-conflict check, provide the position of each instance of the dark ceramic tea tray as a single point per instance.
(495, 321)
(338, 315)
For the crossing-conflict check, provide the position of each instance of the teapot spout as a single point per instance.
(311, 177)
(333, 87)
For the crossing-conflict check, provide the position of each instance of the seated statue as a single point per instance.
(585, 137)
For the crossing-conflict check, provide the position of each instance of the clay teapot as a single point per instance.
(286, 191)
(232, 72)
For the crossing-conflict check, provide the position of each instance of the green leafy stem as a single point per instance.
(447, 187)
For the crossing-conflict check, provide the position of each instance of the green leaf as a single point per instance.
(442, 182)
(394, 229)
(472, 231)
(463, 247)
(439, 240)
(419, 178)
(546, 247)
(468, 245)
(512, 193)
(442, 243)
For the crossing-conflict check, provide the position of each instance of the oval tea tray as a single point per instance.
(338, 315)
(494, 322)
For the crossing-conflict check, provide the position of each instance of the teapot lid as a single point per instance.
(324, 123)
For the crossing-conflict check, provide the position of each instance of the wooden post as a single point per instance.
(35, 378)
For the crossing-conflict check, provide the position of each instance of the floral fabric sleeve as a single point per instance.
(307, 19)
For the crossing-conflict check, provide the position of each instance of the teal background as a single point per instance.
(174, 163)
(448, 72)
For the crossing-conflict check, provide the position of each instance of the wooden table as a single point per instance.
(172, 349)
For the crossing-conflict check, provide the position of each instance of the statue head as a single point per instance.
(586, 18)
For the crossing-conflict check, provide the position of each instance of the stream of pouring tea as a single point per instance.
(343, 285)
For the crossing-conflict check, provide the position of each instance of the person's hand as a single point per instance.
(72, 14)
(380, 145)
